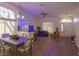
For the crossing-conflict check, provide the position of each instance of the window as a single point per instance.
(7, 26)
(66, 20)
(6, 13)
(1, 28)
(62, 27)
(10, 25)
(11, 14)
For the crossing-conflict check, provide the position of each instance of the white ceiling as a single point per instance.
(53, 9)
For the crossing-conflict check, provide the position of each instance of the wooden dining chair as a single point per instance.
(5, 36)
(27, 48)
(4, 48)
(1, 49)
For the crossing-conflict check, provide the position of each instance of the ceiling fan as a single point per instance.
(44, 14)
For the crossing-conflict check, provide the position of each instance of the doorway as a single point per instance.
(48, 26)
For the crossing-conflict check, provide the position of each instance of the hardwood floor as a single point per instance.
(48, 47)
(45, 46)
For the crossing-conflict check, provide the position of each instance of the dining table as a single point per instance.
(14, 43)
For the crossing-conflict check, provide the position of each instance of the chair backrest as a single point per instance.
(1, 44)
(28, 42)
(24, 34)
(5, 35)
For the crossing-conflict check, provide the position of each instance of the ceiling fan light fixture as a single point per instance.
(43, 14)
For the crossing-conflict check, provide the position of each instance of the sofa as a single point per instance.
(42, 33)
